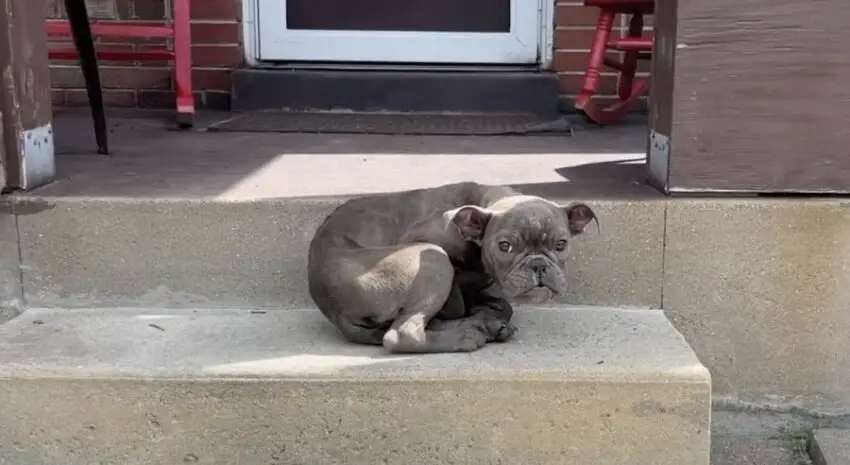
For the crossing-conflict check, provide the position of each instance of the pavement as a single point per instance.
(764, 438)
(231, 386)
(831, 446)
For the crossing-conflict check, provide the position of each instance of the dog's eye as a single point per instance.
(561, 245)
(505, 246)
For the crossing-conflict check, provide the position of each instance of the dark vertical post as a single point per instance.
(25, 100)
(751, 97)
(78, 17)
(661, 86)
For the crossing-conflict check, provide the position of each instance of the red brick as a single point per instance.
(143, 9)
(575, 15)
(211, 79)
(227, 56)
(111, 97)
(54, 9)
(64, 77)
(102, 9)
(578, 39)
(127, 77)
(216, 33)
(156, 99)
(58, 97)
(217, 9)
(570, 61)
(136, 77)
(574, 39)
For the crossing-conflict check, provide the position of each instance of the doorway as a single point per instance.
(472, 32)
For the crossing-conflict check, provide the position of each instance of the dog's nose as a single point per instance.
(537, 265)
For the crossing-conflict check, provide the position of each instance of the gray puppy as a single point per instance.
(431, 270)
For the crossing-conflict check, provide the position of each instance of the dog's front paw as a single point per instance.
(471, 339)
(505, 332)
(498, 330)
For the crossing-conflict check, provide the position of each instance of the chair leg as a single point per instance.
(597, 58)
(78, 17)
(183, 64)
(630, 60)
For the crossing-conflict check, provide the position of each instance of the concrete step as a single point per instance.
(830, 447)
(101, 252)
(532, 92)
(579, 385)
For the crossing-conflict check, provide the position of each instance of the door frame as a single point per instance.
(251, 37)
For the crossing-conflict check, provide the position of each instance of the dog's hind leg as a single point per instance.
(392, 292)
(427, 275)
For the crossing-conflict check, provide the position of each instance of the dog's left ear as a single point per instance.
(579, 216)
(471, 220)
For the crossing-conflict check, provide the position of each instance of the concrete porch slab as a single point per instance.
(150, 386)
(831, 447)
(151, 160)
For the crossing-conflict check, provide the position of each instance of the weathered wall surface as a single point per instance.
(761, 290)
(761, 101)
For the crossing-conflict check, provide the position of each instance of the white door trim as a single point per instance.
(251, 34)
(546, 44)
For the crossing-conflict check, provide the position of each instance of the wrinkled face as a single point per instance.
(524, 243)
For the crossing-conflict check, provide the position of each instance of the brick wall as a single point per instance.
(216, 49)
(216, 38)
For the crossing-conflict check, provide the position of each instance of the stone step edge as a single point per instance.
(675, 361)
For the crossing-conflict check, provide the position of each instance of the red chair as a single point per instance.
(635, 46)
(177, 29)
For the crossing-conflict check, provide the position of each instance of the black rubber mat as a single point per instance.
(387, 123)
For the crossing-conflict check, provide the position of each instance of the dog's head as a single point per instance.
(524, 242)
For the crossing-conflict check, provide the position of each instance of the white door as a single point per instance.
(400, 31)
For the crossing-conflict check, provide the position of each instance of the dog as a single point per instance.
(434, 270)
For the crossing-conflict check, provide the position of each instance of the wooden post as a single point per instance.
(750, 97)
(25, 99)
(3, 164)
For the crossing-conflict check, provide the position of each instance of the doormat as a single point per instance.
(393, 124)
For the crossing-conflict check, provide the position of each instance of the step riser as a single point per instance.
(404, 423)
(494, 92)
(10, 276)
(181, 253)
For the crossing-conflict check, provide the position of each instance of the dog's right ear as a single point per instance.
(471, 220)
